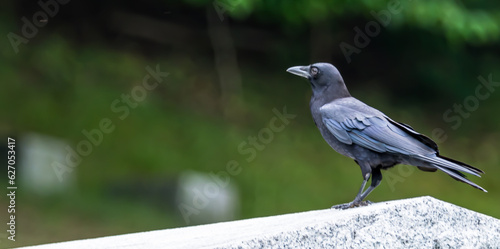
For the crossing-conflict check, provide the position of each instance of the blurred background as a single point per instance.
(133, 116)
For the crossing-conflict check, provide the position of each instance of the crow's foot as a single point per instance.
(352, 205)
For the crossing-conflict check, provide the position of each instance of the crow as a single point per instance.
(371, 138)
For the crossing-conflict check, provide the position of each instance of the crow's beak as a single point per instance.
(302, 71)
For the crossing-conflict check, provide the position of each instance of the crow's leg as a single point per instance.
(376, 179)
(358, 200)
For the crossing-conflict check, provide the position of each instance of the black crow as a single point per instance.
(371, 138)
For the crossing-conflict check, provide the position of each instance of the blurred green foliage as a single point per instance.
(428, 60)
(470, 21)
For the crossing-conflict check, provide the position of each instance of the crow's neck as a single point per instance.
(329, 93)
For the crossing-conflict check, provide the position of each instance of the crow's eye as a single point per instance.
(314, 72)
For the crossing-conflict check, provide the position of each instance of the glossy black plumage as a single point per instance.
(367, 135)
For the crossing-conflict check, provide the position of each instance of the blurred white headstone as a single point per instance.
(206, 198)
(36, 174)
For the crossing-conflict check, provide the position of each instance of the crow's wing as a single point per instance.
(353, 122)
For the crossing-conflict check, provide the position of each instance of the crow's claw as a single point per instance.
(352, 205)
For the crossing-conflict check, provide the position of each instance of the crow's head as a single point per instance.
(321, 75)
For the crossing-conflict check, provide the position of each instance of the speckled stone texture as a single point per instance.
(422, 222)
(415, 223)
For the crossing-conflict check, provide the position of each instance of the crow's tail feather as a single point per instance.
(478, 171)
(450, 164)
(459, 177)
(453, 167)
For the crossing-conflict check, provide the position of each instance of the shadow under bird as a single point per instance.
(371, 138)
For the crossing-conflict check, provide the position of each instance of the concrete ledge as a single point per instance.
(422, 222)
